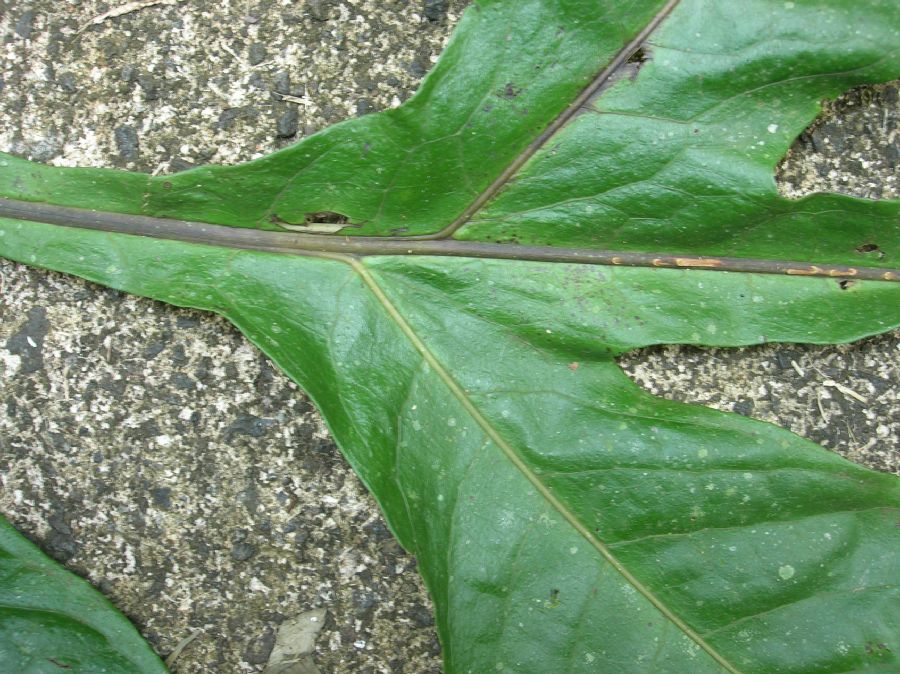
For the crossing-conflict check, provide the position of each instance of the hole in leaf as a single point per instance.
(870, 248)
(628, 70)
(635, 62)
(846, 283)
(326, 218)
(319, 222)
(639, 57)
(852, 147)
(554, 599)
(783, 384)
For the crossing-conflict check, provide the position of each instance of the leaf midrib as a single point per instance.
(289, 243)
(513, 456)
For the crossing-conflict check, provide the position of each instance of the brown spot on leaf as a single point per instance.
(509, 92)
(873, 648)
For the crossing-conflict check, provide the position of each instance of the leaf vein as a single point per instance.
(519, 463)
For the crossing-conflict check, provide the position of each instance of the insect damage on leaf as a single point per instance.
(322, 222)
(849, 148)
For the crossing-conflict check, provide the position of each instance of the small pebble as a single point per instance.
(283, 82)
(126, 142)
(242, 551)
(288, 123)
(25, 24)
(435, 10)
(256, 54)
(320, 10)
